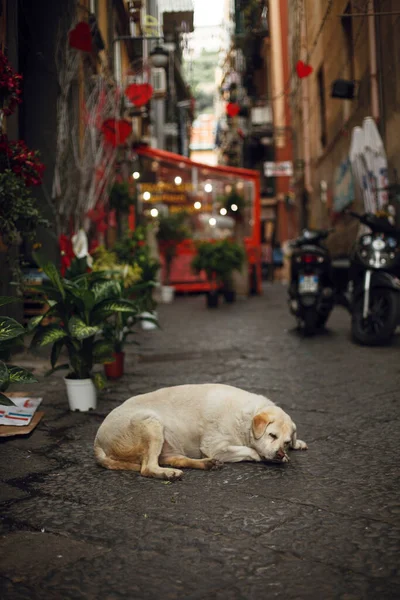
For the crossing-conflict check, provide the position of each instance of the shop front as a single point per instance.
(219, 203)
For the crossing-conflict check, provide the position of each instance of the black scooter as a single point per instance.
(316, 283)
(375, 273)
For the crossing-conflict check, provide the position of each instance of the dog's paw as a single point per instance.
(300, 445)
(213, 463)
(172, 474)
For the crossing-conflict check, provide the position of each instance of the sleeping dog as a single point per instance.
(194, 426)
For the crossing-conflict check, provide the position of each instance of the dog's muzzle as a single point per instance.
(281, 455)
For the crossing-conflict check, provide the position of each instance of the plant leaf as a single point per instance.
(87, 297)
(10, 328)
(34, 322)
(99, 380)
(5, 401)
(21, 375)
(107, 289)
(112, 306)
(4, 376)
(55, 352)
(103, 351)
(48, 335)
(52, 273)
(58, 368)
(8, 300)
(80, 330)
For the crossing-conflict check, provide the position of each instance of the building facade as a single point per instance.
(353, 50)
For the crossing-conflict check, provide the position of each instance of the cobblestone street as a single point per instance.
(324, 526)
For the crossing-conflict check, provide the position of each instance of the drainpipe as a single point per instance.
(305, 107)
(372, 61)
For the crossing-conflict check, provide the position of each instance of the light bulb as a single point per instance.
(136, 175)
(154, 212)
(146, 195)
(234, 207)
(208, 188)
(223, 211)
(197, 205)
(213, 222)
(178, 180)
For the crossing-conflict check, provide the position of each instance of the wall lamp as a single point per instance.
(158, 57)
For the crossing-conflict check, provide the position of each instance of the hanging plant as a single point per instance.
(10, 87)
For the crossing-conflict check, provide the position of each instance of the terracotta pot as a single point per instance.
(115, 370)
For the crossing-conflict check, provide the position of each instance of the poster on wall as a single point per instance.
(343, 187)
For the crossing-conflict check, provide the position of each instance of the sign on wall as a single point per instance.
(278, 169)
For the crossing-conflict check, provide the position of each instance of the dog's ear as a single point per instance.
(260, 423)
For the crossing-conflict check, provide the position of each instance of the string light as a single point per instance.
(223, 211)
(197, 205)
(154, 212)
(212, 222)
(178, 180)
(234, 207)
(146, 195)
(208, 188)
(136, 175)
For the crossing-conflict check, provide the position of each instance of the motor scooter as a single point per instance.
(375, 272)
(317, 283)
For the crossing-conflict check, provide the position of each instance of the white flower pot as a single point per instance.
(147, 325)
(167, 294)
(81, 394)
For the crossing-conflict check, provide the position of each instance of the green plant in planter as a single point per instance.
(171, 232)
(119, 326)
(78, 310)
(219, 260)
(11, 333)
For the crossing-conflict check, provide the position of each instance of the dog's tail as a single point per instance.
(112, 463)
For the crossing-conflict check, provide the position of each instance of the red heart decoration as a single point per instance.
(232, 109)
(116, 132)
(80, 37)
(139, 93)
(303, 70)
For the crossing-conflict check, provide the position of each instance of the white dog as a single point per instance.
(195, 426)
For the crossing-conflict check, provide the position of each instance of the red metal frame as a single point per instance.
(252, 243)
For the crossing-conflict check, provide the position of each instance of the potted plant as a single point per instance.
(134, 249)
(11, 333)
(230, 258)
(219, 260)
(78, 310)
(205, 260)
(171, 232)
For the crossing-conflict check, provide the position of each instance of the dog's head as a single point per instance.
(272, 432)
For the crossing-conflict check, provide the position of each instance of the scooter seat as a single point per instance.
(341, 263)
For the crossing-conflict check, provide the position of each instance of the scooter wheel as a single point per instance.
(379, 327)
(310, 322)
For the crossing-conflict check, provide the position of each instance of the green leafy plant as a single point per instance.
(121, 325)
(171, 232)
(107, 260)
(78, 310)
(11, 333)
(219, 260)
(133, 249)
(19, 214)
(233, 199)
(120, 197)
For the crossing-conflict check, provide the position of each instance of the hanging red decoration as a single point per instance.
(139, 94)
(232, 109)
(116, 132)
(303, 70)
(80, 37)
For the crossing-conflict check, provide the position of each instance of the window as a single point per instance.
(322, 106)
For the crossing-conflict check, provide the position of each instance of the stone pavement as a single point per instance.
(324, 526)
